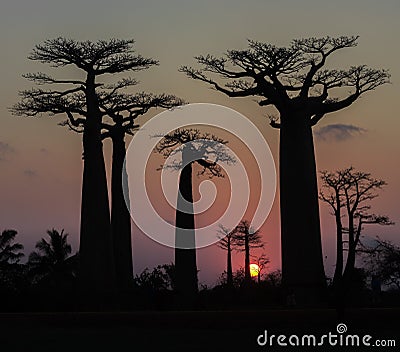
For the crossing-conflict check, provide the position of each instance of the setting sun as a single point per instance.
(254, 270)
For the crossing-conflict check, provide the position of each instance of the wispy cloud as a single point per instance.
(338, 132)
(5, 149)
(30, 173)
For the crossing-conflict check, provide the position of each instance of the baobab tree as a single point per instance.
(226, 243)
(334, 182)
(262, 261)
(246, 238)
(81, 103)
(208, 152)
(352, 191)
(123, 110)
(295, 81)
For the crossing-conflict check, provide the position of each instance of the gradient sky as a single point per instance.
(40, 162)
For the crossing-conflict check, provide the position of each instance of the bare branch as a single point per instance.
(245, 233)
(71, 126)
(205, 149)
(317, 50)
(37, 101)
(274, 121)
(197, 74)
(112, 56)
(42, 78)
(290, 78)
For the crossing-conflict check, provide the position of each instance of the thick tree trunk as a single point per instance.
(185, 251)
(229, 277)
(337, 277)
(97, 272)
(247, 276)
(120, 216)
(351, 255)
(95, 252)
(302, 263)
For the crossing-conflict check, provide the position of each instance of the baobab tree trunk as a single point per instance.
(185, 251)
(97, 271)
(351, 255)
(120, 215)
(302, 263)
(337, 277)
(95, 253)
(247, 277)
(229, 274)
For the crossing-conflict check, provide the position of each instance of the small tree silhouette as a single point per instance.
(10, 255)
(208, 152)
(48, 265)
(161, 278)
(246, 238)
(227, 243)
(383, 262)
(262, 261)
(9, 249)
(350, 190)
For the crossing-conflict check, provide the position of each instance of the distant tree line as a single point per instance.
(49, 278)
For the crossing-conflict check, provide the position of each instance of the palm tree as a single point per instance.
(10, 255)
(51, 262)
(9, 251)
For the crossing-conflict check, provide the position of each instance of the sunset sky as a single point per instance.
(40, 162)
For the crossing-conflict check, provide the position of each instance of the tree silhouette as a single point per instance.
(208, 152)
(159, 279)
(49, 263)
(9, 250)
(83, 103)
(123, 109)
(383, 261)
(293, 80)
(246, 238)
(10, 255)
(227, 243)
(335, 183)
(262, 261)
(351, 190)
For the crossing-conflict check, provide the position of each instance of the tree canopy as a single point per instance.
(289, 77)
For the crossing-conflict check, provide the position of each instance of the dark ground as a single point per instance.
(187, 331)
